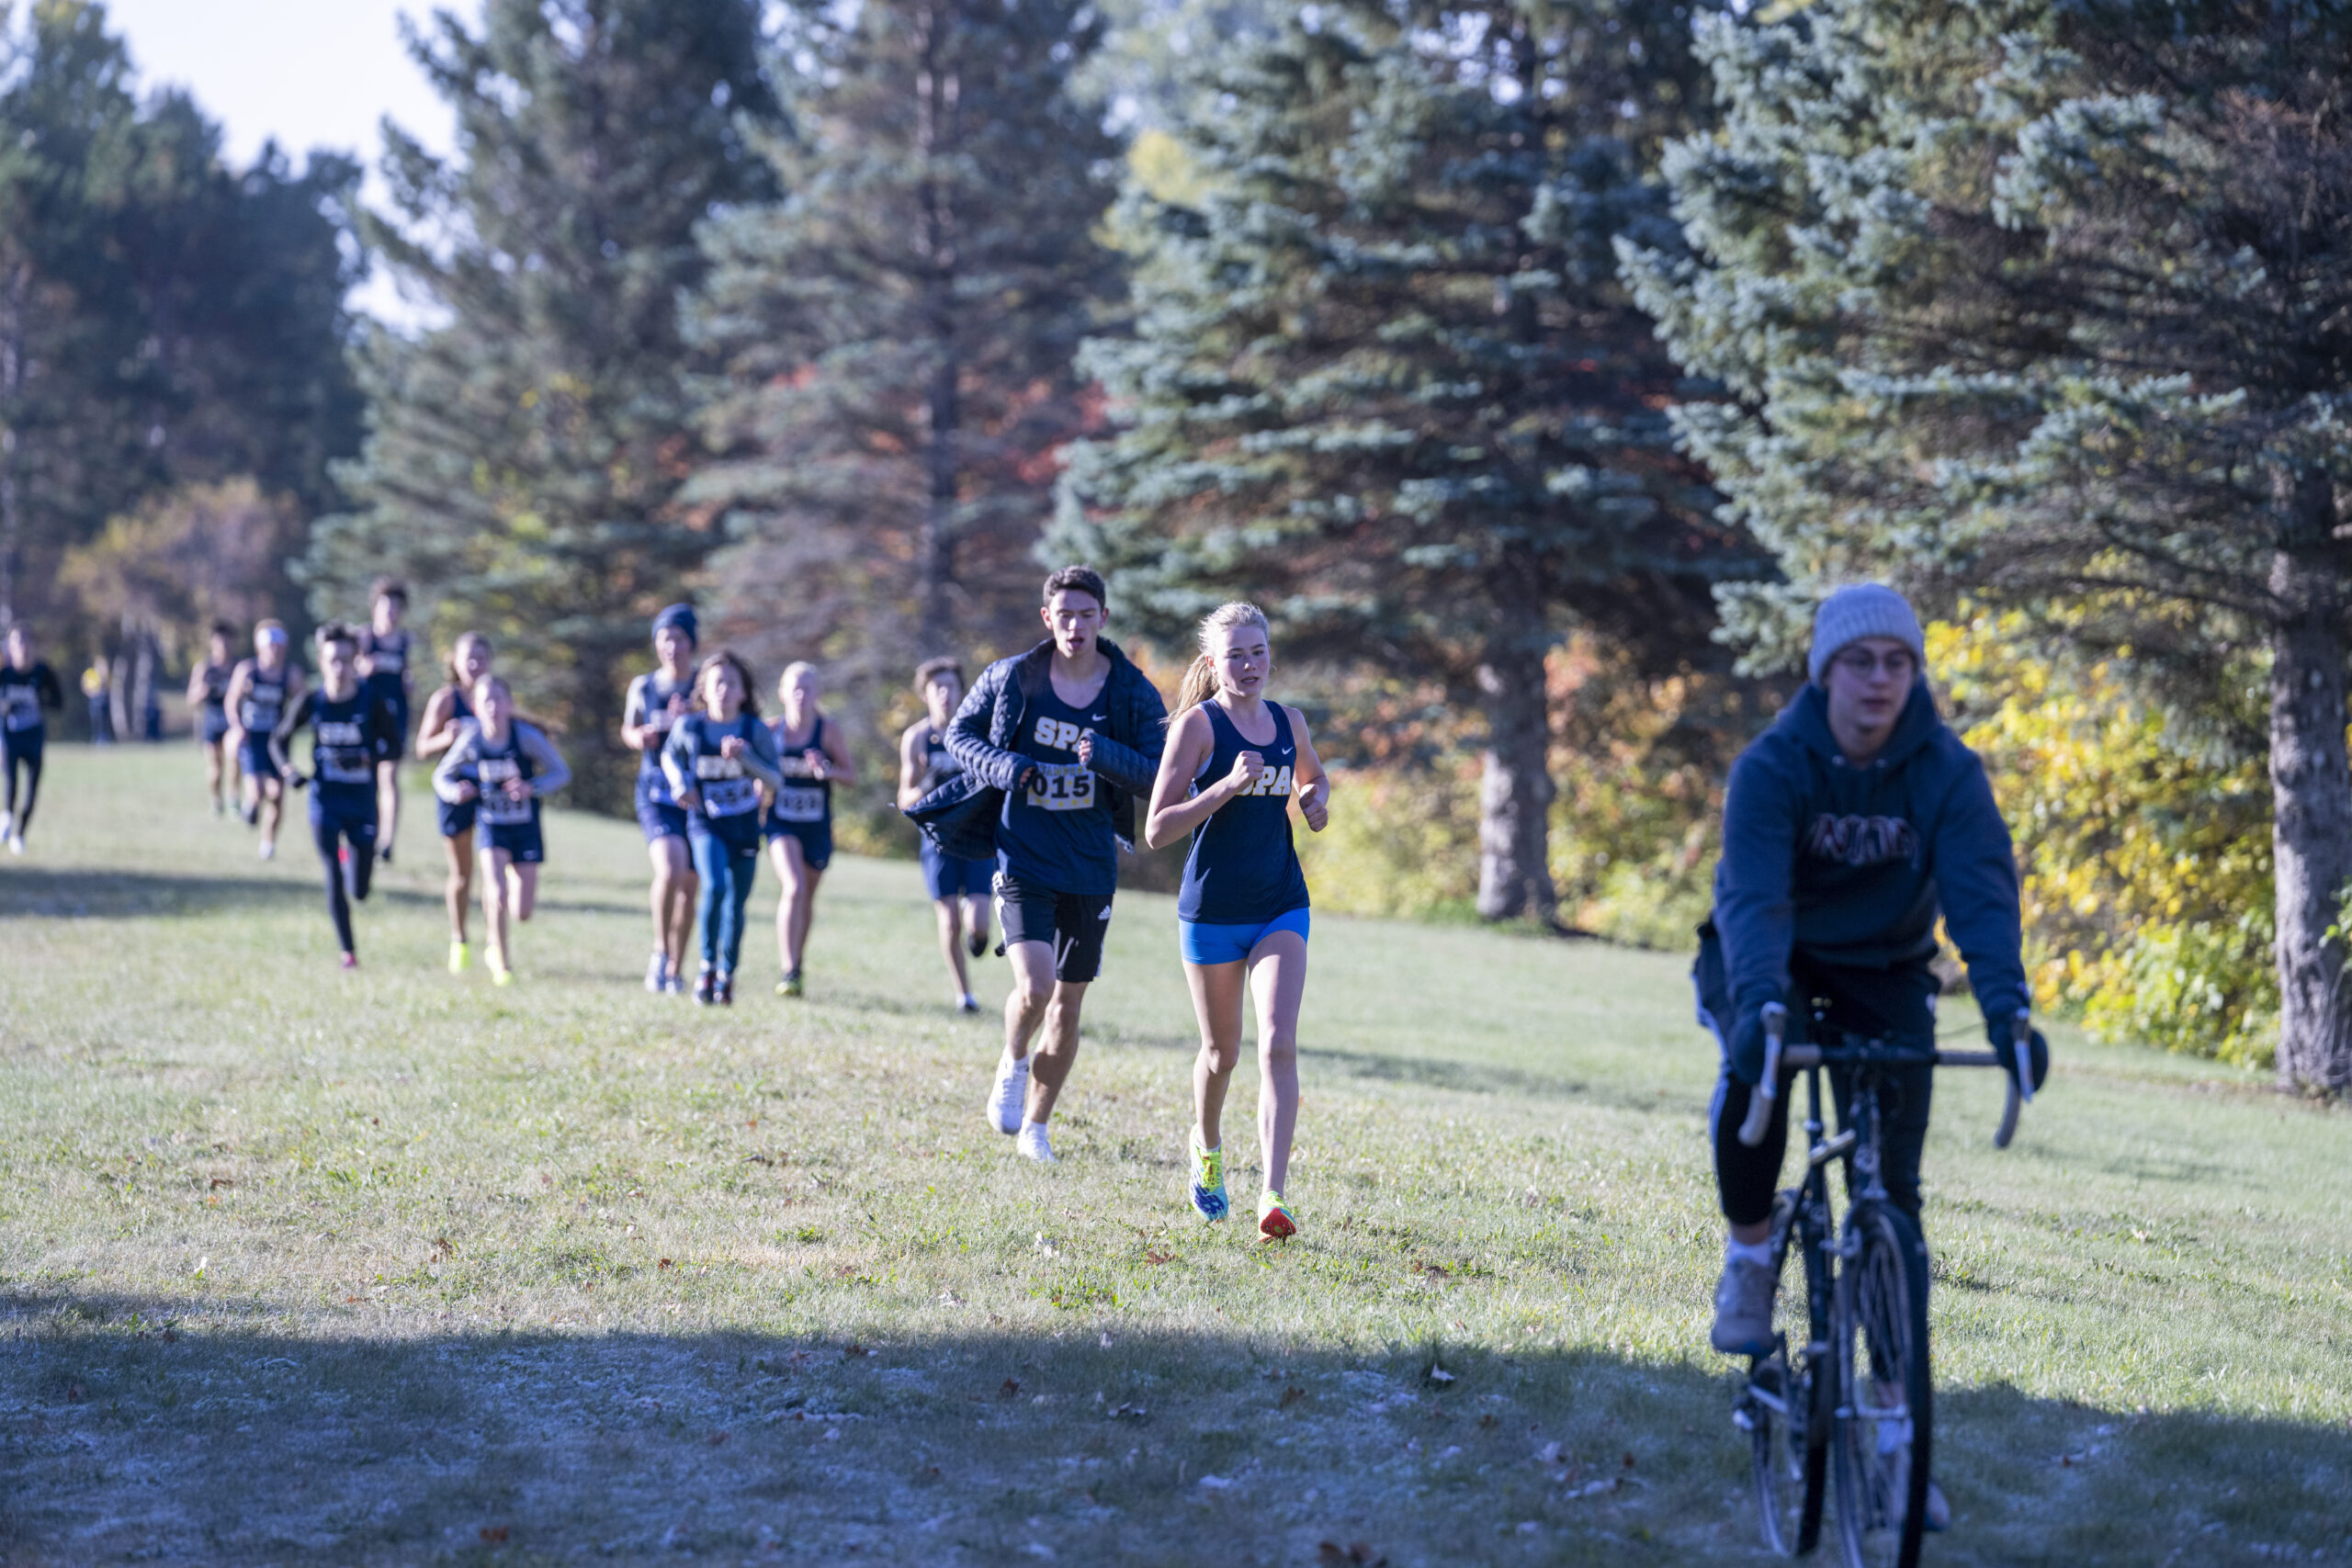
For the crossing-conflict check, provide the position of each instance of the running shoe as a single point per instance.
(976, 943)
(791, 986)
(385, 855)
(461, 958)
(968, 1003)
(1275, 1221)
(1034, 1144)
(657, 974)
(251, 814)
(501, 976)
(269, 849)
(219, 808)
(1208, 1182)
(672, 985)
(726, 995)
(1005, 1099)
(15, 844)
(351, 960)
(706, 988)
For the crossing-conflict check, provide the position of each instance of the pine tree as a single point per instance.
(2051, 304)
(1384, 379)
(898, 331)
(523, 460)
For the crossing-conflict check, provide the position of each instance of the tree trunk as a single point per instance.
(1515, 792)
(939, 89)
(2311, 790)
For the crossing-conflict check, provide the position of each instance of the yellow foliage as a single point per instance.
(2147, 870)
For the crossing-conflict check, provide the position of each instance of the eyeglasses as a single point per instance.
(1862, 664)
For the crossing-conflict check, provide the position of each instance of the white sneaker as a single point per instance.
(1005, 1099)
(657, 973)
(15, 844)
(1034, 1144)
(269, 849)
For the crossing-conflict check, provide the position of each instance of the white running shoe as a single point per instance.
(269, 849)
(1034, 1144)
(1005, 1099)
(657, 973)
(15, 844)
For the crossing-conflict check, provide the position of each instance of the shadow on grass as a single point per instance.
(131, 1429)
(128, 895)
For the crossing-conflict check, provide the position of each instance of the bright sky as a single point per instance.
(308, 73)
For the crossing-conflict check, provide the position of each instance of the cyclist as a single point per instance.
(1032, 740)
(1848, 826)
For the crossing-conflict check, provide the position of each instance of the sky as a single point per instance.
(308, 73)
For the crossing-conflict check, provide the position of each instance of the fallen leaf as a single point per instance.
(759, 1160)
(494, 1533)
(1356, 1554)
(1629, 1461)
(1151, 1256)
(224, 1181)
(666, 1264)
(854, 1350)
(348, 1300)
(1011, 1388)
(73, 1395)
(1292, 1395)
(717, 1439)
(1485, 1421)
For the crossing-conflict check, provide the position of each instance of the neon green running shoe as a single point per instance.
(791, 986)
(461, 958)
(1208, 1182)
(1275, 1221)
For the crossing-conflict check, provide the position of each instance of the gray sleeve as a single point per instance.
(550, 771)
(458, 757)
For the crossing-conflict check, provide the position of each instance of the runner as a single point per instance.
(1032, 740)
(27, 687)
(1234, 763)
(351, 734)
(813, 756)
(259, 690)
(444, 710)
(1849, 827)
(717, 760)
(208, 698)
(383, 660)
(655, 702)
(503, 765)
(959, 888)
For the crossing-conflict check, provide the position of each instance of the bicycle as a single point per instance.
(1855, 1400)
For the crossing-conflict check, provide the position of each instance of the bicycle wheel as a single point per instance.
(1880, 1445)
(1781, 1410)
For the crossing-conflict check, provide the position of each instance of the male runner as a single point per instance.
(208, 698)
(27, 687)
(259, 690)
(1056, 745)
(959, 888)
(655, 703)
(351, 734)
(384, 660)
(1848, 826)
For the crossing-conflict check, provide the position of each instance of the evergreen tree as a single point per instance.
(523, 460)
(2051, 304)
(898, 331)
(1385, 381)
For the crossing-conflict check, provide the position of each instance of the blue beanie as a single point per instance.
(1866, 609)
(681, 617)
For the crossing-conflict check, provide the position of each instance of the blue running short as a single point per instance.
(660, 821)
(459, 818)
(520, 839)
(253, 758)
(816, 840)
(948, 877)
(1204, 944)
(215, 726)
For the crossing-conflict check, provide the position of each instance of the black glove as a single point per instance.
(2003, 1033)
(1747, 1046)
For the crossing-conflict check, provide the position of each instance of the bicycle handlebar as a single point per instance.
(1778, 1054)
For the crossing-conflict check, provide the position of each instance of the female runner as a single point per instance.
(813, 756)
(260, 690)
(443, 711)
(384, 661)
(715, 761)
(503, 765)
(1234, 763)
(208, 698)
(655, 702)
(27, 687)
(959, 888)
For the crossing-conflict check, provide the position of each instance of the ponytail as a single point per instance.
(1200, 678)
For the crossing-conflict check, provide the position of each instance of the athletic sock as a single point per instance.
(1758, 1253)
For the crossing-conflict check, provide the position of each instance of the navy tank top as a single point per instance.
(216, 689)
(494, 768)
(652, 712)
(727, 788)
(343, 748)
(805, 798)
(939, 764)
(1243, 868)
(265, 701)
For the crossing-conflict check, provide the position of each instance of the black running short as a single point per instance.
(1074, 923)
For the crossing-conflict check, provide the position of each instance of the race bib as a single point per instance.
(384, 661)
(799, 802)
(800, 765)
(727, 791)
(342, 754)
(498, 806)
(23, 712)
(1061, 786)
(258, 716)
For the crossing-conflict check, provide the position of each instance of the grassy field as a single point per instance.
(393, 1267)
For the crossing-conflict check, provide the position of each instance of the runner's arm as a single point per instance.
(760, 758)
(1310, 785)
(634, 732)
(913, 762)
(1175, 810)
(458, 751)
(233, 700)
(552, 772)
(46, 691)
(195, 687)
(281, 740)
(678, 765)
(839, 766)
(437, 729)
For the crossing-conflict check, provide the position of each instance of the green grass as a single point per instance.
(394, 1268)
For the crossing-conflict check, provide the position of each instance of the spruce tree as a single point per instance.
(898, 331)
(1384, 379)
(523, 460)
(2051, 304)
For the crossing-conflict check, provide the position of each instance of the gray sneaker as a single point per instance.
(1743, 1308)
(1939, 1511)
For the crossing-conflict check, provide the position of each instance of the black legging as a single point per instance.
(345, 882)
(27, 757)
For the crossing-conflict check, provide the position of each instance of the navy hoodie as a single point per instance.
(1851, 865)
